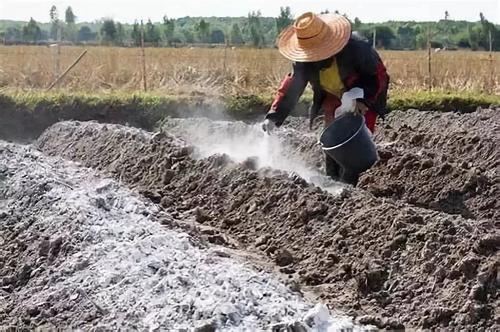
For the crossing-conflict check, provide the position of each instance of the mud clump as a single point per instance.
(446, 162)
(401, 264)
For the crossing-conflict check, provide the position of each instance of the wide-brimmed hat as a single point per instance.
(314, 37)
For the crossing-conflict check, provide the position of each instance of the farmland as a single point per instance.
(160, 210)
(217, 71)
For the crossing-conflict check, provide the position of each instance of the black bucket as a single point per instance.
(348, 141)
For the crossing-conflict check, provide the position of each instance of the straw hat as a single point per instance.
(314, 37)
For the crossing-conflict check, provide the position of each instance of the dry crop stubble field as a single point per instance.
(220, 70)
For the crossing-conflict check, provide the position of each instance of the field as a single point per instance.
(416, 245)
(225, 71)
(161, 210)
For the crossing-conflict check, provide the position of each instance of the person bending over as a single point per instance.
(333, 60)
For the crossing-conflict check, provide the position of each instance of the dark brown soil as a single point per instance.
(447, 162)
(26, 125)
(370, 253)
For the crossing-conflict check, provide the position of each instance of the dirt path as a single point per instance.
(387, 262)
(80, 251)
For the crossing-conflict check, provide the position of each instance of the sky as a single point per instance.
(366, 10)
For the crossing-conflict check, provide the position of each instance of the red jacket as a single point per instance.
(359, 66)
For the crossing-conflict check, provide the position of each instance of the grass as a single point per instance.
(442, 101)
(25, 115)
(220, 83)
(224, 71)
(145, 109)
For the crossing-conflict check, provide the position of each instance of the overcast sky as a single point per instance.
(366, 10)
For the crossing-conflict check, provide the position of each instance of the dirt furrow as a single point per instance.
(470, 138)
(446, 162)
(80, 251)
(385, 261)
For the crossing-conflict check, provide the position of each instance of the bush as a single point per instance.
(441, 101)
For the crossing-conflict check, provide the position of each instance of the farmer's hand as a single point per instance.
(361, 107)
(268, 126)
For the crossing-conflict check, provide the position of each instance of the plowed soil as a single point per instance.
(445, 162)
(79, 251)
(415, 246)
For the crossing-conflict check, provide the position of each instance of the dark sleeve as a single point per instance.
(289, 92)
(373, 78)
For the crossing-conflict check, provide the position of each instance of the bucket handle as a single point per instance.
(343, 143)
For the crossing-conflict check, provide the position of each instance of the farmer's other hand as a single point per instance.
(268, 126)
(361, 107)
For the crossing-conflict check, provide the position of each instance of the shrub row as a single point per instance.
(27, 114)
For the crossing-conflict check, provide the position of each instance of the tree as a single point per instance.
(474, 37)
(236, 36)
(120, 34)
(256, 36)
(55, 24)
(85, 34)
(152, 35)
(136, 34)
(462, 40)
(357, 23)
(217, 37)
(13, 34)
(255, 27)
(70, 18)
(421, 41)
(486, 31)
(259, 31)
(188, 36)
(108, 31)
(70, 32)
(406, 37)
(54, 15)
(285, 19)
(203, 29)
(168, 29)
(32, 32)
(385, 36)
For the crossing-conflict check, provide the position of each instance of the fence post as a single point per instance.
(55, 52)
(58, 61)
(492, 66)
(374, 38)
(143, 57)
(225, 58)
(58, 58)
(67, 70)
(491, 41)
(429, 66)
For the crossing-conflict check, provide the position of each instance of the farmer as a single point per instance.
(334, 61)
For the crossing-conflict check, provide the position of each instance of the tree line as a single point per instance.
(252, 30)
